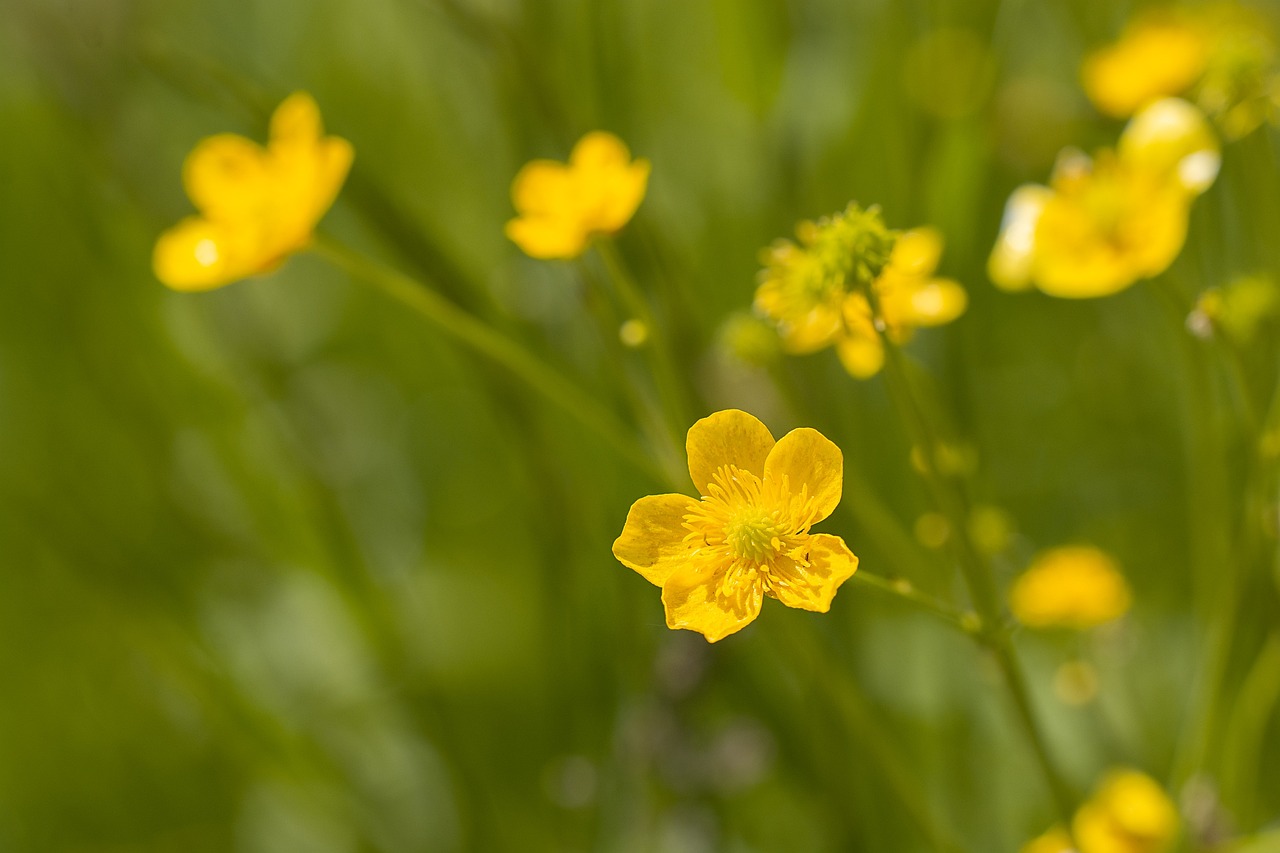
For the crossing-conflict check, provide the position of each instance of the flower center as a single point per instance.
(753, 534)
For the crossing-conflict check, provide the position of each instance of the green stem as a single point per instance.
(478, 336)
(904, 591)
(992, 634)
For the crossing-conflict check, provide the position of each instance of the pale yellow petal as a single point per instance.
(698, 599)
(547, 237)
(931, 302)
(731, 437)
(652, 540)
(197, 254)
(1012, 259)
(1172, 138)
(808, 460)
(229, 177)
(861, 355)
(917, 252)
(812, 587)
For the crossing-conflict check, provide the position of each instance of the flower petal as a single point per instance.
(861, 355)
(925, 302)
(229, 177)
(547, 237)
(808, 459)
(599, 149)
(197, 254)
(1013, 257)
(831, 563)
(917, 252)
(1173, 138)
(730, 437)
(296, 122)
(698, 599)
(543, 186)
(652, 540)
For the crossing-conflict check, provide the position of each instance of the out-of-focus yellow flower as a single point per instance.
(1105, 223)
(1221, 56)
(1127, 813)
(257, 205)
(561, 207)
(819, 292)
(1070, 587)
(748, 536)
(1155, 57)
(1239, 308)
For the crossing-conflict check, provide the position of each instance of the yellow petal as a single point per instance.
(1154, 58)
(1012, 258)
(197, 254)
(1172, 138)
(296, 122)
(730, 437)
(229, 178)
(1053, 841)
(917, 252)
(599, 150)
(547, 237)
(809, 460)
(543, 187)
(697, 599)
(933, 302)
(621, 192)
(861, 355)
(652, 540)
(812, 587)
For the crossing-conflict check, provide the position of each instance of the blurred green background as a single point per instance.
(286, 571)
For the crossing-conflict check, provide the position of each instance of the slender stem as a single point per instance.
(992, 633)
(478, 336)
(904, 591)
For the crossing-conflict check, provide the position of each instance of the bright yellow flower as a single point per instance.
(1155, 57)
(817, 291)
(563, 206)
(748, 536)
(257, 205)
(1071, 587)
(1105, 223)
(1127, 813)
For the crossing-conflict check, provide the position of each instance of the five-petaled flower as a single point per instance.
(748, 536)
(257, 205)
(1104, 223)
(561, 207)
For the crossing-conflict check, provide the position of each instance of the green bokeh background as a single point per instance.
(286, 570)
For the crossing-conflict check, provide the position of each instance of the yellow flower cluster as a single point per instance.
(257, 205)
(1127, 813)
(1223, 57)
(1071, 587)
(1104, 223)
(847, 280)
(748, 535)
(561, 207)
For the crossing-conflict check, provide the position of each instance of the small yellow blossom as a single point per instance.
(1155, 57)
(257, 205)
(819, 292)
(748, 536)
(1070, 587)
(1104, 223)
(561, 207)
(1127, 813)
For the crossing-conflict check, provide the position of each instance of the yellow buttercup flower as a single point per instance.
(1127, 813)
(563, 206)
(748, 536)
(1155, 57)
(257, 205)
(1104, 223)
(1071, 587)
(819, 291)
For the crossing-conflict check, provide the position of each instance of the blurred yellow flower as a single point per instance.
(1127, 813)
(1070, 587)
(748, 536)
(1155, 57)
(1105, 223)
(257, 205)
(561, 207)
(819, 292)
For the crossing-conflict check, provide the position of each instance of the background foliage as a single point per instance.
(285, 571)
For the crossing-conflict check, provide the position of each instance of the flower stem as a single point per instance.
(992, 633)
(465, 329)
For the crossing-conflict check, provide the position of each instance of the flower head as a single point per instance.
(1155, 57)
(1104, 223)
(749, 534)
(1127, 813)
(1071, 587)
(820, 291)
(561, 207)
(257, 205)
